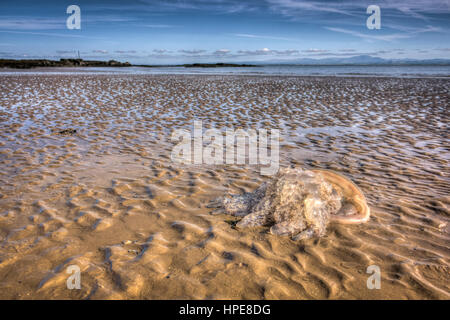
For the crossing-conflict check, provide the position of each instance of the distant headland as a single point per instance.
(35, 63)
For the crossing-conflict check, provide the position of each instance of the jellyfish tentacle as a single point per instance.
(305, 234)
(254, 219)
(216, 203)
(288, 227)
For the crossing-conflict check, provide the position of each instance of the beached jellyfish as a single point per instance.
(298, 203)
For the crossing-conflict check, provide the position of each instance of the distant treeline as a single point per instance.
(27, 64)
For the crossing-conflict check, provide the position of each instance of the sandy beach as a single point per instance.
(106, 196)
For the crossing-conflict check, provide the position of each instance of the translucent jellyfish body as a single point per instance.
(299, 203)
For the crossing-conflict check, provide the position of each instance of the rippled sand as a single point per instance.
(109, 199)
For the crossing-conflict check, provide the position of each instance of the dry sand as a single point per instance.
(109, 199)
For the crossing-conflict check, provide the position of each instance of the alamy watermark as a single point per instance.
(374, 281)
(74, 20)
(74, 280)
(374, 20)
(228, 149)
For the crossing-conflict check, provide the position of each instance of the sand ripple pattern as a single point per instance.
(108, 198)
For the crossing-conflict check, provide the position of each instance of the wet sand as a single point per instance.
(109, 199)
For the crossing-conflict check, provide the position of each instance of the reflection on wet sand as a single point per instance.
(108, 198)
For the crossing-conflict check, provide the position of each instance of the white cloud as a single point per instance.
(216, 6)
(46, 23)
(264, 51)
(255, 36)
(287, 52)
(293, 7)
(27, 23)
(51, 34)
(192, 52)
(158, 26)
(315, 51)
(389, 37)
(65, 51)
(222, 52)
(125, 51)
(409, 32)
(160, 51)
(413, 8)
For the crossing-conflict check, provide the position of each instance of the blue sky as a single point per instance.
(174, 31)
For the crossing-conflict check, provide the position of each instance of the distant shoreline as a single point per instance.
(36, 63)
(202, 65)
